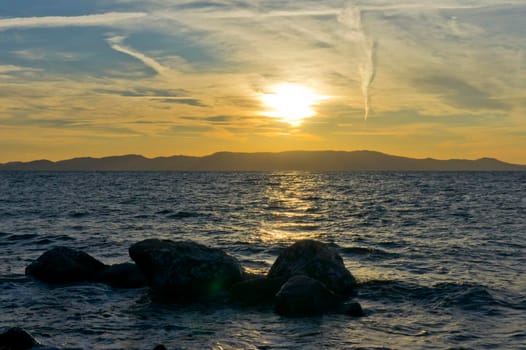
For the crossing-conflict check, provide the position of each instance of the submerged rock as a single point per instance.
(316, 260)
(185, 271)
(16, 339)
(305, 296)
(65, 265)
(125, 275)
(256, 290)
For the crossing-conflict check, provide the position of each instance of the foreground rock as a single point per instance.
(125, 275)
(185, 271)
(316, 260)
(65, 265)
(16, 339)
(305, 296)
(253, 291)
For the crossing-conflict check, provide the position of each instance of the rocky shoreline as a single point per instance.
(308, 278)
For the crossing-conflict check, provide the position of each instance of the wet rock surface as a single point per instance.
(125, 275)
(305, 296)
(16, 339)
(185, 271)
(256, 290)
(65, 265)
(316, 260)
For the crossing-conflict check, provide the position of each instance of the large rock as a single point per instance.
(305, 296)
(185, 271)
(65, 265)
(253, 291)
(16, 339)
(316, 260)
(125, 275)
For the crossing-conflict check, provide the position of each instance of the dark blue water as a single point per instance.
(441, 257)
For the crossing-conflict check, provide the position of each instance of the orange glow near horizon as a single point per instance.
(195, 79)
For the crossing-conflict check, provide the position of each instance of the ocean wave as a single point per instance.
(369, 252)
(183, 215)
(23, 237)
(466, 296)
(78, 214)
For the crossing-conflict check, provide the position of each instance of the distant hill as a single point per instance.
(293, 160)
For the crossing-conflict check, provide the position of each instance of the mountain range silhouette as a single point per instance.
(263, 161)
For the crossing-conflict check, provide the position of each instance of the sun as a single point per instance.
(291, 103)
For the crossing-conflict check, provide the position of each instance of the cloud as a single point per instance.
(217, 119)
(115, 43)
(16, 69)
(351, 17)
(108, 19)
(186, 101)
(460, 94)
(189, 129)
(444, 65)
(144, 92)
(40, 122)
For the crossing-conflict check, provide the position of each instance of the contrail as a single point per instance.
(115, 43)
(351, 17)
(367, 73)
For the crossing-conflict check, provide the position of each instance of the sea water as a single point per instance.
(440, 257)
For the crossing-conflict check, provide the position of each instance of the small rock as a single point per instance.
(126, 275)
(65, 265)
(185, 271)
(305, 296)
(353, 309)
(160, 347)
(256, 290)
(16, 339)
(316, 260)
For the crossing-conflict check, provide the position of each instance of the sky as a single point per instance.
(419, 78)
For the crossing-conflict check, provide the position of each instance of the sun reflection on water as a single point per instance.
(291, 211)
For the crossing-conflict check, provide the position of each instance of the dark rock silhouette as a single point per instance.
(308, 277)
(305, 296)
(65, 265)
(185, 271)
(125, 275)
(353, 309)
(256, 290)
(316, 260)
(160, 347)
(16, 339)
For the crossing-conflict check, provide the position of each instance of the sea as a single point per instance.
(440, 257)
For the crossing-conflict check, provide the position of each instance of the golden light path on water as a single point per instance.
(296, 207)
(291, 103)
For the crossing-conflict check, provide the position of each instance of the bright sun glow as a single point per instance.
(291, 103)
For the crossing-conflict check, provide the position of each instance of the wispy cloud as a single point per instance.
(12, 68)
(116, 44)
(183, 101)
(154, 64)
(459, 93)
(144, 92)
(61, 21)
(351, 17)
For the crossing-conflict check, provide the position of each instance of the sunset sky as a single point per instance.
(419, 78)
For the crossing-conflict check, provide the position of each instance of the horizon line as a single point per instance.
(256, 152)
